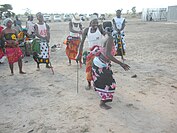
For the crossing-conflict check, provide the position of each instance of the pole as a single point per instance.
(77, 77)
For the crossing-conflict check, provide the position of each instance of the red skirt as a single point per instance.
(13, 54)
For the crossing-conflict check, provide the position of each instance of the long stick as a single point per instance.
(77, 77)
(51, 67)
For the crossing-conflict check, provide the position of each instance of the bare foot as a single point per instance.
(88, 87)
(12, 74)
(22, 72)
(104, 106)
(48, 66)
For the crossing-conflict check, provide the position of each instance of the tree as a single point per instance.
(133, 11)
(5, 10)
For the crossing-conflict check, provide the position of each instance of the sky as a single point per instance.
(84, 6)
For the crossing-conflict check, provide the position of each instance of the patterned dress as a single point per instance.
(41, 55)
(13, 54)
(104, 83)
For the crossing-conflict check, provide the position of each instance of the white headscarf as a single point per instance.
(93, 17)
(7, 20)
(76, 19)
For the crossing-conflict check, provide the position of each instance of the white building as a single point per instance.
(154, 14)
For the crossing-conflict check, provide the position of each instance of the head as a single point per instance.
(31, 17)
(109, 30)
(8, 22)
(76, 19)
(94, 21)
(16, 17)
(118, 13)
(39, 16)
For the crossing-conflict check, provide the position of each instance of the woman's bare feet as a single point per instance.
(12, 74)
(103, 105)
(21, 72)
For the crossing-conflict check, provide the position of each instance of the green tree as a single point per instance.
(133, 11)
(5, 9)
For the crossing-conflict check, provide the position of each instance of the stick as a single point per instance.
(51, 67)
(77, 77)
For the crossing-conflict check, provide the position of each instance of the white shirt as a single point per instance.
(42, 30)
(94, 38)
(119, 22)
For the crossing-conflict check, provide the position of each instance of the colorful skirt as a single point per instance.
(119, 44)
(41, 56)
(103, 80)
(13, 54)
(89, 61)
(72, 46)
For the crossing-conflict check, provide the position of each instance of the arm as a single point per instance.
(48, 33)
(108, 47)
(101, 30)
(84, 35)
(123, 25)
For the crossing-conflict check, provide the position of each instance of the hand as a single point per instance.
(125, 66)
(78, 57)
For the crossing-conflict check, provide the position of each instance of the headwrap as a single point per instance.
(7, 20)
(39, 14)
(93, 17)
(76, 19)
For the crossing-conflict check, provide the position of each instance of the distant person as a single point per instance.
(2, 51)
(94, 34)
(13, 51)
(104, 83)
(118, 33)
(30, 26)
(18, 22)
(16, 27)
(42, 32)
(74, 38)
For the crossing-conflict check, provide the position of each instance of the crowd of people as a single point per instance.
(104, 43)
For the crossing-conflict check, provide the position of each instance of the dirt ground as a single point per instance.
(40, 102)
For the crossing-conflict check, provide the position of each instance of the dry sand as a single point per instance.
(40, 102)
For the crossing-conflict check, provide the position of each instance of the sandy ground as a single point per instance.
(40, 102)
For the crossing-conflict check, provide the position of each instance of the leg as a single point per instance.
(69, 61)
(80, 63)
(20, 66)
(47, 65)
(104, 105)
(89, 85)
(38, 68)
(11, 69)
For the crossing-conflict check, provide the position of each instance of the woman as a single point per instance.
(42, 31)
(13, 51)
(104, 82)
(74, 38)
(94, 34)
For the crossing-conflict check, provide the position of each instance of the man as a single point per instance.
(42, 32)
(30, 26)
(74, 38)
(118, 33)
(94, 34)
